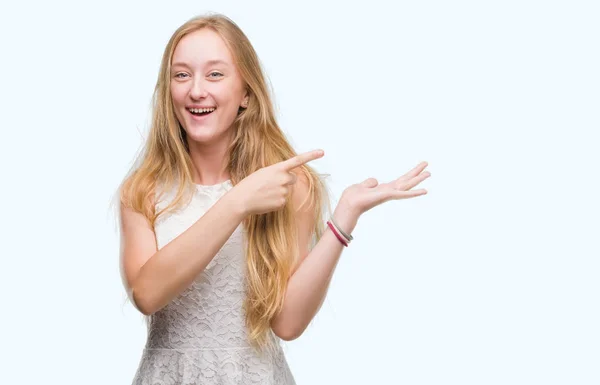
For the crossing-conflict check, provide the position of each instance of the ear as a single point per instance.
(245, 100)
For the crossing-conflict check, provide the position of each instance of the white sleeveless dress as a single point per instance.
(200, 336)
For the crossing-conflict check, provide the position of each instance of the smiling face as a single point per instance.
(206, 88)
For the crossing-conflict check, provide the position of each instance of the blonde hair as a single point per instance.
(258, 141)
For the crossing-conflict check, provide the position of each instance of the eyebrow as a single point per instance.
(210, 62)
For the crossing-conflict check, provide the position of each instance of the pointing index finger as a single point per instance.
(301, 159)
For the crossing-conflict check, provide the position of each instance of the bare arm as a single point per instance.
(308, 285)
(153, 278)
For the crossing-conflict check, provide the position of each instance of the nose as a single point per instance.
(198, 89)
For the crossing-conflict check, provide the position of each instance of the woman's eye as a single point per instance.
(181, 73)
(215, 73)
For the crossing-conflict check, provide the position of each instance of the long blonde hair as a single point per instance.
(258, 141)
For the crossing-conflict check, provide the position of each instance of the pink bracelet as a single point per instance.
(339, 237)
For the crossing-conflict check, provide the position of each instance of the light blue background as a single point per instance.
(491, 278)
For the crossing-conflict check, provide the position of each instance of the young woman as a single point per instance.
(223, 246)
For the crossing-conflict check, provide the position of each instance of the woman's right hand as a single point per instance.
(267, 189)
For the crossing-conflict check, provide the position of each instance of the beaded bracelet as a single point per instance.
(338, 236)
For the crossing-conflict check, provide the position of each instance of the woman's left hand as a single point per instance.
(363, 196)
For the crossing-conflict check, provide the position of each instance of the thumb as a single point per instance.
(370, 182)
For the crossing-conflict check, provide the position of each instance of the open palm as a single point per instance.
(370, 193)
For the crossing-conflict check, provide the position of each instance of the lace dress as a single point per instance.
(200, 336)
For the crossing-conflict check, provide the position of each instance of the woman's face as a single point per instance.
(204, 76)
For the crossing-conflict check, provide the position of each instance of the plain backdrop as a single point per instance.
(490, 278)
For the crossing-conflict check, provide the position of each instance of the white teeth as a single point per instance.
(199, 110)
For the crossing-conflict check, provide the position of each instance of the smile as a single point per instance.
(201, 111)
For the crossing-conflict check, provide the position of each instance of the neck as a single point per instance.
(209, 161)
